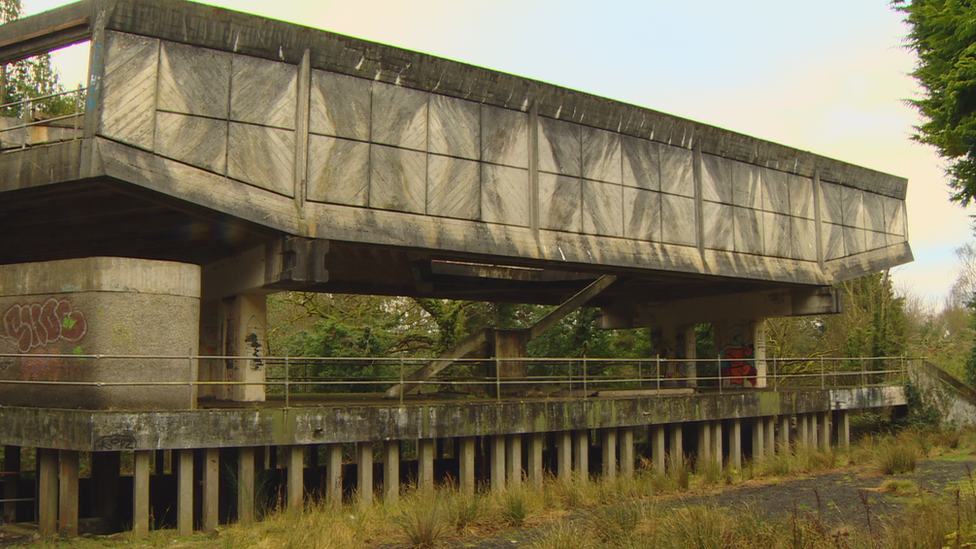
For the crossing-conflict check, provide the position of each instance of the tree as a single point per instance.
(943, 35)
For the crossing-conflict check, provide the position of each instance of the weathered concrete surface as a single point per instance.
(98, 306)
(218, 428)
(955, 400)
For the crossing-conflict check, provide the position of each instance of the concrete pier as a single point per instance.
(391, 471)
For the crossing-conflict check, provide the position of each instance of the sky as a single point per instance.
(830, 76)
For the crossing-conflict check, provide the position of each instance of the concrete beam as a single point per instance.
(45, 32)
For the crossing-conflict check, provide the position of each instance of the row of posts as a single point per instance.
(58, 470)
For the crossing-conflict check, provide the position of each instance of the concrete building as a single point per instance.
(222, 157)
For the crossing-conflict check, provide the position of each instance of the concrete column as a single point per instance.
(426, 448)
(184, 505)
(735, 444)
(68, 493)
(677, 444)
(105, 470)
(498, 462)
(784, 433)
(140, 492)
(295, 457)
(581, 451)
(803, 423)
(626, 436)
(564, 455)
(211, 489)
(245, 486)
(535, 458)
(47, 497)
(759, 350)
(391, 471)
(825, 431)
(690, 353)
(844, 429)
(333, 473)
(364, 469)
(758, 438)
(814, 430)
(466, 464)
(717, 443)
(657, 448)
(11, 466)
(609, 447)
(513, 459)
(704, 442)
(246, 317)
(769, 431)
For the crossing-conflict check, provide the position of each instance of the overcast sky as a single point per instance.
(826, 76)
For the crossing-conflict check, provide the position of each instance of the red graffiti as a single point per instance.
(738, 366)
(35, 324)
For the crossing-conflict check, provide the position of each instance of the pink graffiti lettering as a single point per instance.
(36, 324)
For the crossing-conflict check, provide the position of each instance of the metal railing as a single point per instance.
(28, 109)
(289, 378)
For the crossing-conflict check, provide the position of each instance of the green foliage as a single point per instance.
(942, 33)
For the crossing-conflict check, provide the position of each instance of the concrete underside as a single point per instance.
(273, 424)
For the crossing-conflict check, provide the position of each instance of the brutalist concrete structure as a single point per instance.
(226, 156)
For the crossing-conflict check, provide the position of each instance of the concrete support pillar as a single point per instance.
(333, 473)
(717, 452)
(68, 493)
(11, 466)
(564, 455)
(211, 489)
(245, 486)
(364, 469)
(704, 442)
(784, 434)
(844, 429)
(466, 464)
(391, 471)
(536, 474)
(105, 470)
(513, 459)
(759, 350)
(690, 353)
(140, 492)
(608, 445)
(814, 430)
(295, 463)
(47, 497)
(626, 454)
(498, 462)
(245, 317)
(677, 444)
(825, 431)
(657, 448)
(758, 438)
(184, 504)
(581, 453)
(735, 444)
(769, 431)
(803, 424)
(426, 448)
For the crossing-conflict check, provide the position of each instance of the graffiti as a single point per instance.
(253, 342)
(738, 364)
(34, 325)
(115, 442)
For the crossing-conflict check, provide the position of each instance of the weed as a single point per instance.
(893, 458)
(898, 487)
(615, 523)
(514, 507)
(563, 536)
(422, 523)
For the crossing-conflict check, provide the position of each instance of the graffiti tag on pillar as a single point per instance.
(115, 442)
(34, 325)
(253, 342)
(738, 364)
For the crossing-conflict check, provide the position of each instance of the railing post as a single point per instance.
(863, 374)
(823, 374)
(498, 382)
(584, 376)
(189, 363)
(657, 371)
(719, 373)
(402, 387)
(775, 367)
(287, 383)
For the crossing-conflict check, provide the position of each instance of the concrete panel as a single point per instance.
(746, 185)
(263, 157)
(801, 196)
(852, 201)
(833, 241)
(718, 223)
(399, 117)
(109, 306)
(602, 208)
(453, 187)
(677, 171)
(194, 80)
(855, 240)
(642, 214)
(339, 106)
(678, 220)
(776, 234)
(641, 163)
(263, 92)
(833, 205)
(455, 127)
(804, 235)
(560, 203)
(601, 155)
(129, 89)
(398, 179)
(748, 228)
(196, 141)
(560, 148)
(504, 137)
(775, 191)
(894, 211)
(873, 240)
(504, 195)
(894, 239)
(716, 179)
(874, 214)
(338, 171)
